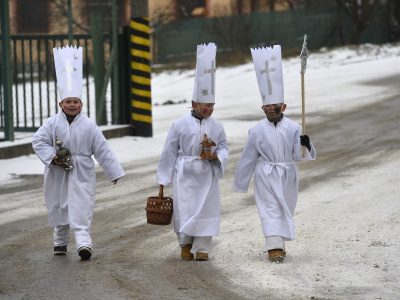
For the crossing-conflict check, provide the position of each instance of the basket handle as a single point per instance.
(160, 193)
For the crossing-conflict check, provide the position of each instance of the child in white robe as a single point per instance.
(196, 195)
(70, 195)
(270, 152)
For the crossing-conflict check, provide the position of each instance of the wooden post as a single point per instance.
(303, 123)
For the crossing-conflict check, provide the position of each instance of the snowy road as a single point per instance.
(347, 229)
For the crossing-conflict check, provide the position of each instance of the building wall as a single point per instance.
(26, 19)
(212, 8)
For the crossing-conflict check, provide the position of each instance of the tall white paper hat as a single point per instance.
(268, 67)
(68, 63)
(204, 81)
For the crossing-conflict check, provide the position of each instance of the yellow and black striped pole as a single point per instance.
(141, 77)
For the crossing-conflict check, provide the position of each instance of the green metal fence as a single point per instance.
(325, 27)
(34, 88)
(35, 94)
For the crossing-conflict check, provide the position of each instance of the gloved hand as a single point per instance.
(215, 162)
(305, 141)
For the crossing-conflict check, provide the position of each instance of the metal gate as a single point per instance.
(34, 88)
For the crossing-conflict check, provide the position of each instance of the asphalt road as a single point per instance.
(135, 260)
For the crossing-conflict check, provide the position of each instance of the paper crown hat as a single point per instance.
(268, 67)
(68, 63)
(204, 81)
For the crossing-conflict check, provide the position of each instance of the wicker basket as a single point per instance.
(159, 209)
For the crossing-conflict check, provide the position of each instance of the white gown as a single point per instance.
(70, 196)
(270, 153)
(195, 182)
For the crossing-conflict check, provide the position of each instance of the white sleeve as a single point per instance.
(169, 154)
(246, 165)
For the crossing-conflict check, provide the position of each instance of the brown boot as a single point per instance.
(276, 255)
(185, 252)
(201, 256)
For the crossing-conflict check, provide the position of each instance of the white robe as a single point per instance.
(70, 196)
(195, 182)
(270, 153)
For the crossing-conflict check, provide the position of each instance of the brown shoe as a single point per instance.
(201, 256)
(185, 252)
(276, 255)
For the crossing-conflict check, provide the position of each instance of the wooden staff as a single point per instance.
(303, 57)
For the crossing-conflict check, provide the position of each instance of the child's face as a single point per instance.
(71, 106)
(274, 111)
(203, 110)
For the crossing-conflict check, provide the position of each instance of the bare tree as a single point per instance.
(290, 3)
(161, 35)
(235, 33)
(184, 8)
(59, 15)
(271, 5)
(360, 12)
(393, 10)
(307, 3)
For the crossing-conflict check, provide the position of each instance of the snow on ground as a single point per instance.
(332, 76)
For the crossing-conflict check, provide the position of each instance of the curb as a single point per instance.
(13, 151)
